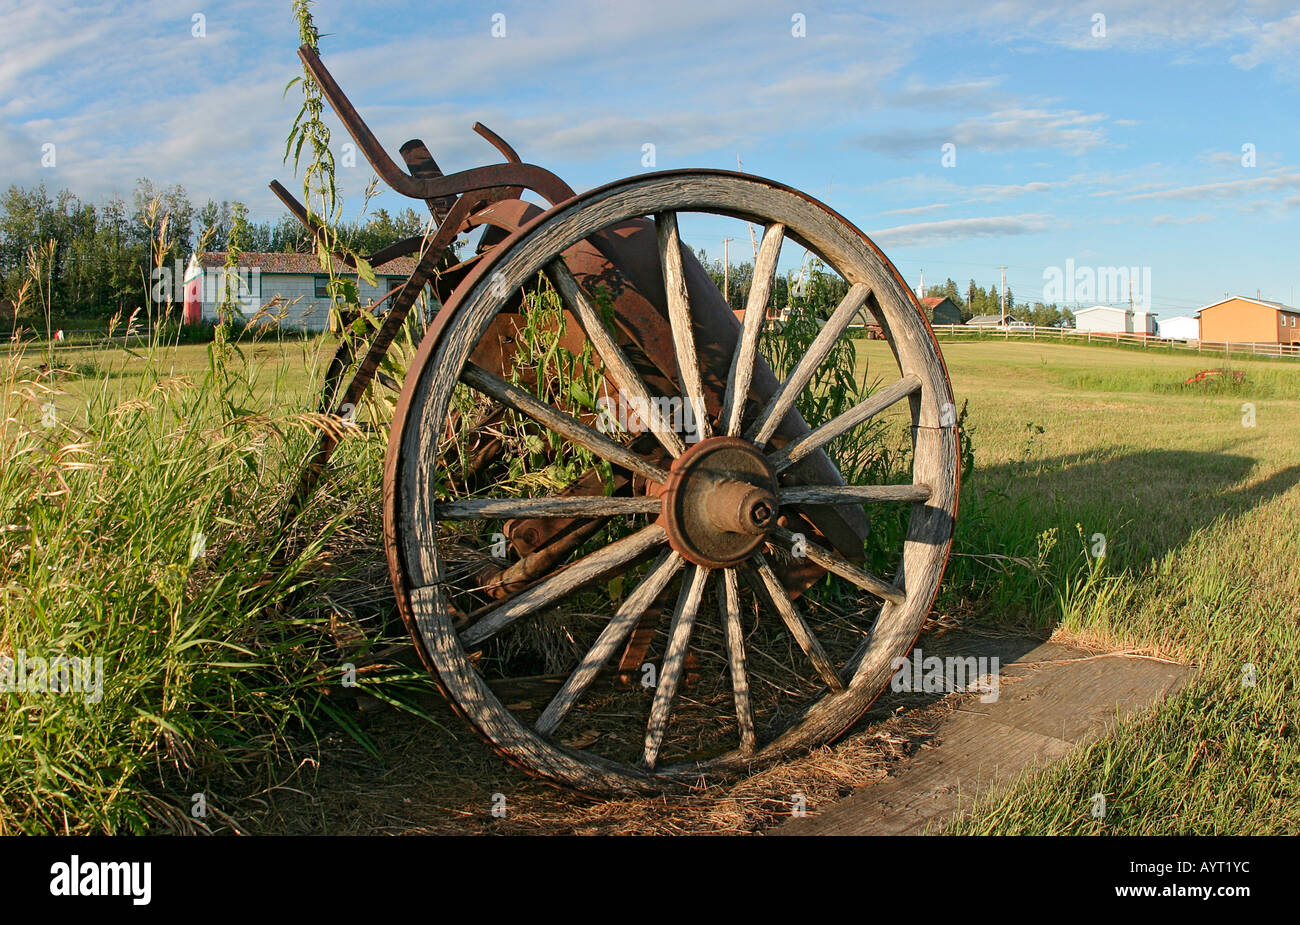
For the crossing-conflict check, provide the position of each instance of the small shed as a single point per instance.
(1183, 327)
(992, 321)
(1104, 318)
(1109, 319)
(941, 310)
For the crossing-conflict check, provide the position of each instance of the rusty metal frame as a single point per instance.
(453, 201)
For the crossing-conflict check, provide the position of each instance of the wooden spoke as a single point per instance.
(620, 369)
(735, 633)
(834, 562)
(769, 419)
(852, 494)
(566, 426)
(579, 506)
(679, 318)
(611, 638)
(814, 441)
(679, 637)
(567, 579)
(741, 373)
(790, 616)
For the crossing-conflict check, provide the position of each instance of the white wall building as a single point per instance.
(1184, 327)
(294, 284)
(1111, 320)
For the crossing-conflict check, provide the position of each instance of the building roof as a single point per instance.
(931, 301)
(989, 319)
(1105, 308)
(1280, 306)
(302, 264)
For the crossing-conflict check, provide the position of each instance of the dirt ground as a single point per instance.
(443, 780)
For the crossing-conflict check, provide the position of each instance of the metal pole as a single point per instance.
(1003, 296)
(726, 271)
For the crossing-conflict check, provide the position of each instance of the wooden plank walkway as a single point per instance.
(1051, 699)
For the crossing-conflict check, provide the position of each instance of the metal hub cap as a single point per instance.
(719, 502)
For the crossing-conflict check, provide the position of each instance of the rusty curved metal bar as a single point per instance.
(301, 214)
(435, 248)
(401, 248)
(528, 176)
(497, 142)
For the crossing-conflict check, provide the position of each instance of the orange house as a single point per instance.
(1240, 320)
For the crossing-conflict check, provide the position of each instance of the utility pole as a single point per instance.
(753, 241)
(726, 271)
(1003, 295)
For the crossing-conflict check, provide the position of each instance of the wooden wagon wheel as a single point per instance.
(705, 528)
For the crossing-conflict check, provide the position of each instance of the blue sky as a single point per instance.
(1122, 149)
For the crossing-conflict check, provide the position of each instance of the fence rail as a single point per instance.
(1070, 335)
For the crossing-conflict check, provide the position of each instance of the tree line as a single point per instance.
(92, 260)
(824, 290)
(977, 300)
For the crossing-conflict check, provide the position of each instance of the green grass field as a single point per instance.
(215, 659)
(1195, 491)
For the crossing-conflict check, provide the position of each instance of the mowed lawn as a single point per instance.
(282, 372)
(1195, 493)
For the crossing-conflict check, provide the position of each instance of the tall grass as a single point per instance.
(138, 525)
(1256, 381)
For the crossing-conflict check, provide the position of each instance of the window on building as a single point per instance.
(322, 287)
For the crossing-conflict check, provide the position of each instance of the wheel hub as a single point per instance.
(719, 502)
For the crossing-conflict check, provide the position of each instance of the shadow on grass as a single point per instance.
(1145, 504)
(1026, 526)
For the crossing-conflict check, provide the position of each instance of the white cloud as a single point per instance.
(916, 210)
(1199, 218)
(957, 229)
(1270, 40)
(1016, 129)
(972, 93)
(1229, 189)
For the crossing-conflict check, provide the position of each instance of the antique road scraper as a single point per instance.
(689, 592)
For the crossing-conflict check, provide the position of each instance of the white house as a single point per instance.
(1184, 327)
(292, 284)
(1111, 320)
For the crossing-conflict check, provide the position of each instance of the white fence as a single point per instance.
(1070, 335)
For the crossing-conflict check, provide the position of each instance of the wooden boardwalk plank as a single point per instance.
(1051, 699)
